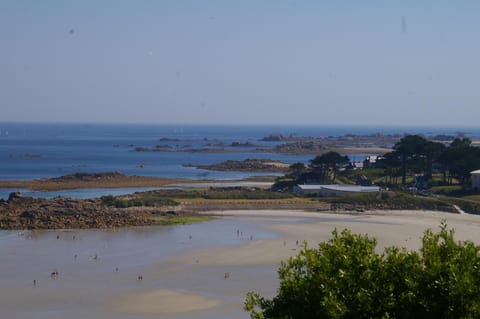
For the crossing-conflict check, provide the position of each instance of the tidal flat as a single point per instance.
(200, 271)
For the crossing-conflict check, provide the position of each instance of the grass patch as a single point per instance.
(475, 198)
(371, 173)
(246, 194)
(221, 193)
(468, 206)
(180, 220)
(397, 200)
(400, 200)
(143, 200)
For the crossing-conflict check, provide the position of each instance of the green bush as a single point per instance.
(346, 278)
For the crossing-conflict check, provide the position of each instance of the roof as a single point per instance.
(475, 172)
(342, 188)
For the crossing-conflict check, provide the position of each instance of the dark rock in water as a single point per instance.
(14, 195)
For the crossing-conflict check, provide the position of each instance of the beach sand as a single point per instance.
(399, 228)
(163, 302)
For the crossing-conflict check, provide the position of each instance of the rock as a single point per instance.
(14, 195)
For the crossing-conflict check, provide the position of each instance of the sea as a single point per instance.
(41, 150)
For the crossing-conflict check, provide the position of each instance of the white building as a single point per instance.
(334, 190)
(476, 179)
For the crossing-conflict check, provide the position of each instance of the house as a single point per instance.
(371, 161)
(333, 190)
(476, 179)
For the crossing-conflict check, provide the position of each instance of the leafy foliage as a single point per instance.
(326, 165)
(346, 278)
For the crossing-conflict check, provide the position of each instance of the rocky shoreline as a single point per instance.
(65, 213)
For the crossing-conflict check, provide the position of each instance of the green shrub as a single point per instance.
(346, 278)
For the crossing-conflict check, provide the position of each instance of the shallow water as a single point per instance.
(95, 266)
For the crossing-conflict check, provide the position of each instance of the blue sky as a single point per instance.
(241, 62)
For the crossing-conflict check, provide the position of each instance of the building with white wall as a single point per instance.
(476, 179)
(334, 190)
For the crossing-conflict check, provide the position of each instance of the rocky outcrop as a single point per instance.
(307, 147)
(62, 213)
(248, 165)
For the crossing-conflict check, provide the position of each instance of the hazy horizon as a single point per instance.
(218, 63)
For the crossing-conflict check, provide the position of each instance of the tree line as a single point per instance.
(412, 155)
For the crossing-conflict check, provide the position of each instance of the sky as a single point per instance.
(292, 62)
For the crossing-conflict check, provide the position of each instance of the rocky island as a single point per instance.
(247, 165)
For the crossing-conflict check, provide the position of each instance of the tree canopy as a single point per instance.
(414, 154)
(325, 166)
(346, 278)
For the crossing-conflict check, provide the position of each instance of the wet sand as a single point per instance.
(185, 282)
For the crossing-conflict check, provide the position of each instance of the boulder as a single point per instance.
(14, 195)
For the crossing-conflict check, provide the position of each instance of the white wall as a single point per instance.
(476, 181)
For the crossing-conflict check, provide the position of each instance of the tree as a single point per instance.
(326, 165)
(346, 278)
(296, 169)
(431, 153)
(459, 159)
(416, 155)
(392, 166)
(407, 149)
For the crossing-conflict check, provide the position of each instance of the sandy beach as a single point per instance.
(400, 228)
(206, 276)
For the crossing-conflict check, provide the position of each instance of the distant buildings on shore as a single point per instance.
(333, 190)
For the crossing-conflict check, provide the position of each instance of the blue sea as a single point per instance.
(31, 151)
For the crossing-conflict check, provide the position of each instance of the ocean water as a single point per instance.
(38, 150)
(31, 151)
